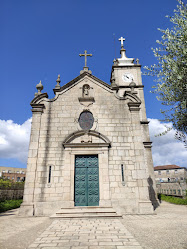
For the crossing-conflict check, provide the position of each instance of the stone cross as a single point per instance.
(85, 54)
(121, 39)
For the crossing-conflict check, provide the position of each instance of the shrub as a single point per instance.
(174, 200)
(9, 204)
(7, 184)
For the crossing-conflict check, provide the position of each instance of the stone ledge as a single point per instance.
(82, 145)
(86, 99)
(134, 106)
(144, 122)
(147, 144)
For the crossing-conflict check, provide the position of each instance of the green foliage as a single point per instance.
(7, 184)
(171, 71)
(174, 200)
(10, 204)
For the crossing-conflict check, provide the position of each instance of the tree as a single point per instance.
(171, 71)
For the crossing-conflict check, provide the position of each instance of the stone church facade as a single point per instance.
(90, 145)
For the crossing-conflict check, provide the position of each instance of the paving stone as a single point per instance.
(111, 243)
(47, 245)
(103, 247)
(102, 234)
(59, 247)
(80, 247)
(33, 245)
(129, 247)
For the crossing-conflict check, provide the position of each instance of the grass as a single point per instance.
(174, 200)
(9, 204)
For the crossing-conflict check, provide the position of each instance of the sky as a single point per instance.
(43, 38)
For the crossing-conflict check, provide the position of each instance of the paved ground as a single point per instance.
(166, 230)
(86, 234)
(19, 233)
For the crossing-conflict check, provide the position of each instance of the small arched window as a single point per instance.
(49, 178)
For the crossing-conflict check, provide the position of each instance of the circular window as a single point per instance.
(86, 120)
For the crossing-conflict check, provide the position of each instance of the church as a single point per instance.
(90, 145)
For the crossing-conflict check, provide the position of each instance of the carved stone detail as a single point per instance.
(87, 98)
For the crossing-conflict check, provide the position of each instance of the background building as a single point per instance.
(171, 180)
(13, 174)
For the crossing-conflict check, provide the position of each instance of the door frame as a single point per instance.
(104, 186)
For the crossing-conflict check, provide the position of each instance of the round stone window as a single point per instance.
(86, 120)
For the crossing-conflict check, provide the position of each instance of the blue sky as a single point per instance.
(43, 38)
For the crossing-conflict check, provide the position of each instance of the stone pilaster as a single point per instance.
(148, 158)
(140, 173)
(27, 207)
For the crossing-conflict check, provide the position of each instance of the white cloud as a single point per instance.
(14, 143)
(166, 149)
(14, 139)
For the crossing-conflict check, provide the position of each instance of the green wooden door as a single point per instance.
(86, 181)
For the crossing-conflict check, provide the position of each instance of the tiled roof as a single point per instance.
(167, 167)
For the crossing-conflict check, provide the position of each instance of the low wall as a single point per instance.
(172, 188)
(10, 194)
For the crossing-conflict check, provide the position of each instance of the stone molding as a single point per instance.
(86, 101)
(147, 144)
(85, 145)
(77, 134)
(39, 97)
(144, 122)
(126, 66)
(134, 106)
(72, 82)
(37, 107)
(116, 87)
(104, 182)
(135, 100)
(128, 95)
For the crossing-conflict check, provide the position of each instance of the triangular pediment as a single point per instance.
(79, 78)
(83, 77)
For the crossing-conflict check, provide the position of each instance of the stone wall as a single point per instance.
(113, 119)
(10, 194)
(172, 188)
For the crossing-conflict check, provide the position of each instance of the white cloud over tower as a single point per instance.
(14, 143)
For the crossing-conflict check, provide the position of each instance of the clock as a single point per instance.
(127, 77)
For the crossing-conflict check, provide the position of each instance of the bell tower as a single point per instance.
(125, 73)
(126, 82)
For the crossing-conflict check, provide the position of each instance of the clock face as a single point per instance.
(127, 77)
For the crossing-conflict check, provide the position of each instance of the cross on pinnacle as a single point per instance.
(85, 54)
(121, 39)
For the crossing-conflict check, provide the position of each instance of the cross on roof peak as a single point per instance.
(85, 54)
(121, 39)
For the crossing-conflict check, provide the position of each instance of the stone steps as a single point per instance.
(86, 212)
